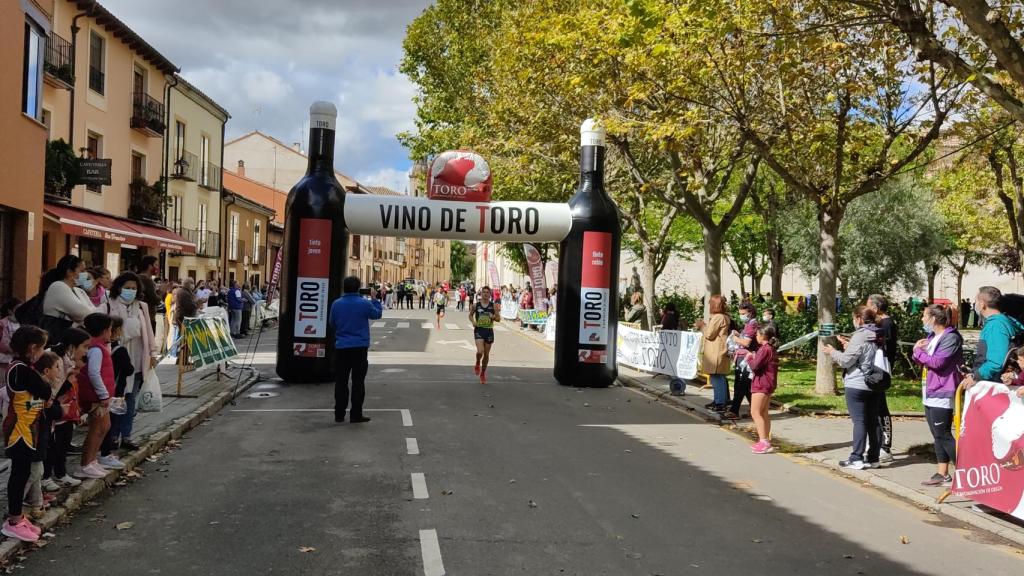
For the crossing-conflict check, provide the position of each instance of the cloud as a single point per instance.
(397, 180)
(385, 100)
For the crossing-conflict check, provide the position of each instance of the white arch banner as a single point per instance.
(424, 218)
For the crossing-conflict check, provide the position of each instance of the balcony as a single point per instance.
(96, 80)
(211, 177)
(207, 243)
(148, 115)
(60, 70)
(259, 257)
(186, 167)
(238, 253)
(146, 203)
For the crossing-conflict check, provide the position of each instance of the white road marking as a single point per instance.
(419, 486)
(378, 324)
(431, 550)
(412, 446)
(451, 326)
(426, 325)
(403, 325)
(406, 414)
(406, 418)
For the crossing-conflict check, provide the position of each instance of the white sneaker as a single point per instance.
(853, 464)
(93, 470)
(50, 485)
(69, 481)
(884, 456)
(110, 461)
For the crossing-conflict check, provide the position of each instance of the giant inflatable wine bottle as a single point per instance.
(588, 267)
(315, 246)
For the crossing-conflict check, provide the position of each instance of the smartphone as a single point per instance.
(364, 291)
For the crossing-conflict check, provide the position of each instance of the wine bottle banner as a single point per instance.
(424, 218)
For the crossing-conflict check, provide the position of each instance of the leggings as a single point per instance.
(740, 388)
(57, 453)
(940, 422)
(21, 469)
(884, 423)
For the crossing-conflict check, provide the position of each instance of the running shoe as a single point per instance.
(937, 480)
(92, 470)
(884, 456)
(853, 464)
(69, 481)
(762, 447)
(476, 369)
(110, 461)
(51, 485)
(483, 377)
(22, 530)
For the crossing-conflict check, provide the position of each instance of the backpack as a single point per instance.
(31, 312)
(875, 367)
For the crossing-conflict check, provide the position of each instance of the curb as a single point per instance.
(90, 489)
(892, 488)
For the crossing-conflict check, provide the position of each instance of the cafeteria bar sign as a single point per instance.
(94, 171)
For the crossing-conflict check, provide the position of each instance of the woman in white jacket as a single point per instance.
(137, 337)
(65, 304)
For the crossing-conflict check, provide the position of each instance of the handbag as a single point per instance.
(150, 397)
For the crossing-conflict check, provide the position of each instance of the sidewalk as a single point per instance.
(155, 431)
(826, 440)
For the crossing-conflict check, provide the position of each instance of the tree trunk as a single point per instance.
(755, 285)
(713, 241)
(933, 271)
(647, 281)
(778, 266)
(829, 218)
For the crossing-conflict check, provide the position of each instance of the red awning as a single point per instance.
(93, 225)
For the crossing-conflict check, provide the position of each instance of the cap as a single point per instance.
(591, 133)
(323, 115)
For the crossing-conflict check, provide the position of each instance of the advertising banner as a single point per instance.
(208, 340)
(460, 175)
(311, 285)
(509, 309)
(275, 276)
(536, 269)
(492, 271)
(990, 450)
(594, 288)
(670, 352)
(424, 218)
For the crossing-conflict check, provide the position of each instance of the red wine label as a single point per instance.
(594, 293)
(311, 286)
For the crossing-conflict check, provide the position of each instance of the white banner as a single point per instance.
(423, 218)
(669, 352)
(549, 328)
(509, 308)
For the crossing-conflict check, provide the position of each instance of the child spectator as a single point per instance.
(27, 396)
(72, 351)
(123, 371)
(8, 326)
(51, 369)
(764, 364)
(96, 388)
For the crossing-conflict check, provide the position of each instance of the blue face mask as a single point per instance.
(927, 329)
(85, 281)
(128, 295)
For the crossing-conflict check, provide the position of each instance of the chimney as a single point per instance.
(297, 146)
(241, 168)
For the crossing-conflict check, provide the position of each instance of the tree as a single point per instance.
(463, 265)
(746, 251)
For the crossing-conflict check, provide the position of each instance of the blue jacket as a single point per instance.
(235, 298)
(994, 346)
(350, 316)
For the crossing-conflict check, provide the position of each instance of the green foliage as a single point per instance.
(516, 257)
(61, 168)
(690, 308)
(462, 263)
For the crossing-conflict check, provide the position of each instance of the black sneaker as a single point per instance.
(358, 419)
(75, 449)
(937, 480)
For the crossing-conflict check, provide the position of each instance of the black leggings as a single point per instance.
(741, 389)
(884, 423)
(940, 422)
(21, 469)
(56, 462)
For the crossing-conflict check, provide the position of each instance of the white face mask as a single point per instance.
(85, 281)
(744, 318)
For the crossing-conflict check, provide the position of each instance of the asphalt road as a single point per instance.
(520, 476)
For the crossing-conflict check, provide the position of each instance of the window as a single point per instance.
(201, 235)
(233, 237)
(97, 82)
(179, 139)
(204, 160)
(139, 80)
(138, 167)
(172, 273)
(256, 242)
(48, 122)
(176, 214)
(32, 77)
(94, 149)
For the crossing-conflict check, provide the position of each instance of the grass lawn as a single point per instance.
(796, 387)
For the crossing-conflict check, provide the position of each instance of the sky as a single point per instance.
(266, 61)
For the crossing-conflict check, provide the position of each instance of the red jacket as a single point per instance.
(86, 394)
(765, 366)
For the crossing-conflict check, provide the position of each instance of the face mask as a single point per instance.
(927, 328)
(85, 281)
(744, 318)
(766, 318)
(128, 295)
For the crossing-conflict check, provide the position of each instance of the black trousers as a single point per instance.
(423, 301)
(740, 389)
(350, 361)
(884, 423)
(56, 464)
(940, 422)
(21, 469)
(246, 320)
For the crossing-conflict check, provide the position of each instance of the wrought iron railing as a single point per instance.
(146, 203)
(96, 79)
(147, 114)
(186, 167)
(57, 60)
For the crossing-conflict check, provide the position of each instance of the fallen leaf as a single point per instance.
(447, 492)
(904, 540)
(756, 540)
(586, 404)
(124, 525)
(152, 458)
(532, 504)
(132, 474)
(490, 405)
(635, 515)
(305, 549)
(848, 556)
(628, 451)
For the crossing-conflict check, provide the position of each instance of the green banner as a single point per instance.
(208, 341)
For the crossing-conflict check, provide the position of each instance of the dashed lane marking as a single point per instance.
(419, 486)
(451, 326)
(402, 325)
(431, 551)
(426, 325)
(405, 412)
(412, 447)
(379, 324)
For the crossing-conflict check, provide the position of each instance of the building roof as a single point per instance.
(182, 83)
(247, 203)
(121, 31)
(382, 191)
(346, 181)
(258, 192)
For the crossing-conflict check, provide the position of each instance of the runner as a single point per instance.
(440, 301)
(483, 316)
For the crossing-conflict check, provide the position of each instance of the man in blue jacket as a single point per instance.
(235, 310)
(350, 315)
(997, 333)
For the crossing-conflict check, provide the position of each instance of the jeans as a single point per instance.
(235, 320)
(741, 389)
(354, 361)
(884, 423)
(940, 422)
(863, 407)
(121, 424)
(720, 385)
(56, 465)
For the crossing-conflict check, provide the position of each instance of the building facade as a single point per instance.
(193, 188)
(106, 100)
(244, 249)
(24, 30)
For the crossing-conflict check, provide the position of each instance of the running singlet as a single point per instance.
(484, 315)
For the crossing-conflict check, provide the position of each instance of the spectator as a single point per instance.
(148, 268)
(637, 312)
(185, 304)
(95, 391)
(670, 317)
(888, 341)
(350, 316)
(8, 326)
(768, 317)
(97, 289)
(764, 365)
(73, 351)
(715, 352)
(140, 343)
(203, 294)
(64, 302)
(746, 343)
(965, 312)
(213, 298)
(1014, 376)
(994, 342)
(235, 306)
(248, 302)
(941, 353)
(861, 401)
(421, 293)
(123, 370)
